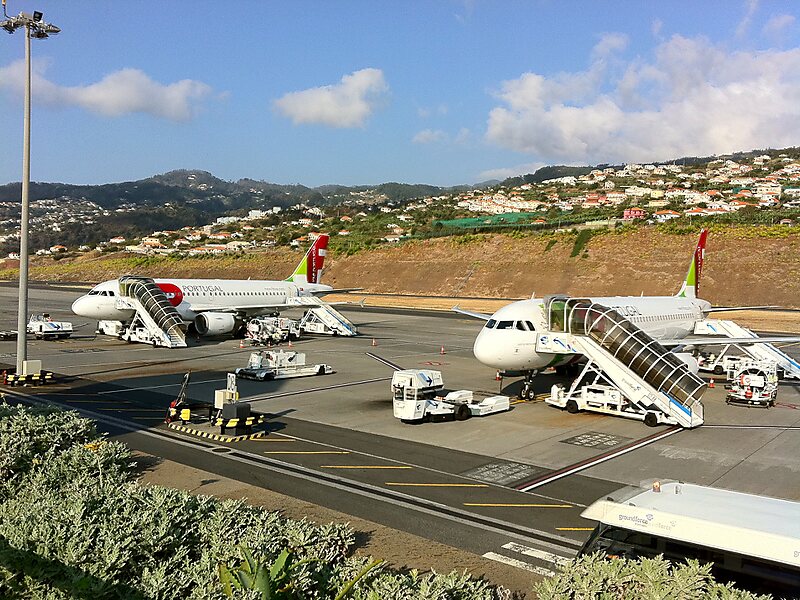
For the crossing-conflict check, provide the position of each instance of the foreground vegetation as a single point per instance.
(74, 523)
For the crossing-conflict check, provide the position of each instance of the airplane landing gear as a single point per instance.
(526, 393)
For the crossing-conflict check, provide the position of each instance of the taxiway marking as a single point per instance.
(304, 452)
(365, 467)
(574, 528)
(456, 485)
(519, 564)
(534, 553)
(516, 505)
(592, 462)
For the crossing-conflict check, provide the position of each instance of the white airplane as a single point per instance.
(508, 340)
(218, 306)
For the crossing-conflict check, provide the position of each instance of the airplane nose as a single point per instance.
(81, 307)
(486, 351)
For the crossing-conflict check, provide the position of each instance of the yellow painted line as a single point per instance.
(304, 452)
(274, 440)
(519, 505)
(364, 467)
(574, 528)
(517, 402)
(470, 485)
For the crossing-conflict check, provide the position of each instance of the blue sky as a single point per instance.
(362, 92)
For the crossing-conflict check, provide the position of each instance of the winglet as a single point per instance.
(691, 285)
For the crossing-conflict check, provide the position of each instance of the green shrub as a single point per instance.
(595, 576)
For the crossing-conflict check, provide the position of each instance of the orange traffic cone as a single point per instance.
(711, 384)
(374, 342)
(441, 350)
(241, 343)
(497, 377)
(290, 344)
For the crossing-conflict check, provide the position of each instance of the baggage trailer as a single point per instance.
(280, 364)
(418, 395)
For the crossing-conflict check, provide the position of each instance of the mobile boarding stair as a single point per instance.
(323, 318)
(628, 373)
(759, 351)
(156, 321)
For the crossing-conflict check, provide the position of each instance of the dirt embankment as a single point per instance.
(742, 267)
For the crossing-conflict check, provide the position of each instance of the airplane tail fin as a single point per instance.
(691, 286)
(310, 268)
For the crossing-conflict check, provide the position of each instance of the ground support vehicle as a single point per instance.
(719, 364)
(272, 330)
(280, 364)
(43, 327)
(322, 318)
(606, 399)
(418, 394)
(754, 383)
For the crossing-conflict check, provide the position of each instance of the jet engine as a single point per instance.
(689, 359)
(215, 323)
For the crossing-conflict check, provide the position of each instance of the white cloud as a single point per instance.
(777, 25)
(120, 93)
(692, 98)
(506, 172)
(655, 27)
(463, 136)
(750, 11)
(429, 136)
(346, 104)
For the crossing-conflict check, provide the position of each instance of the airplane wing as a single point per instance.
(469, 313)
(247, 310)
(724, 341)
(336, 291)
(733, 308)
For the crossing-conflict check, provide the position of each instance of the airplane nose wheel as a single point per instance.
(526, 393)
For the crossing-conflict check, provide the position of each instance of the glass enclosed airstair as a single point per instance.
(155, 320)
(649, 376)
(758, 351)
(323, 318)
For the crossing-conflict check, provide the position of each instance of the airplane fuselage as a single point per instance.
(508, 340)
(192, 296)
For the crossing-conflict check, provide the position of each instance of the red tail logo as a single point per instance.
(316, 258)
(699, 257)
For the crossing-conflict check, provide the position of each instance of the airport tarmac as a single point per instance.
(485, 484)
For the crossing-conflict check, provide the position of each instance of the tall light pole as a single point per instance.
(36, 28)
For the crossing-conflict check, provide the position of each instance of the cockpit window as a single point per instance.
(505, 325)
(530, 326)
(521, 326)
(490, 324)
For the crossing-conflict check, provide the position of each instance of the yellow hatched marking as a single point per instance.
(466, 485)
(304, 452)
(364, 467)
(519, 505)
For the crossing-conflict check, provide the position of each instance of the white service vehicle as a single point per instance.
(280, 364)
(605, 399)
(43, 327)
(274, 330)
(754, 383)
(418, 394)
(719, 364)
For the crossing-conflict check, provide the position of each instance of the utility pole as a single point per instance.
(34, 28)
